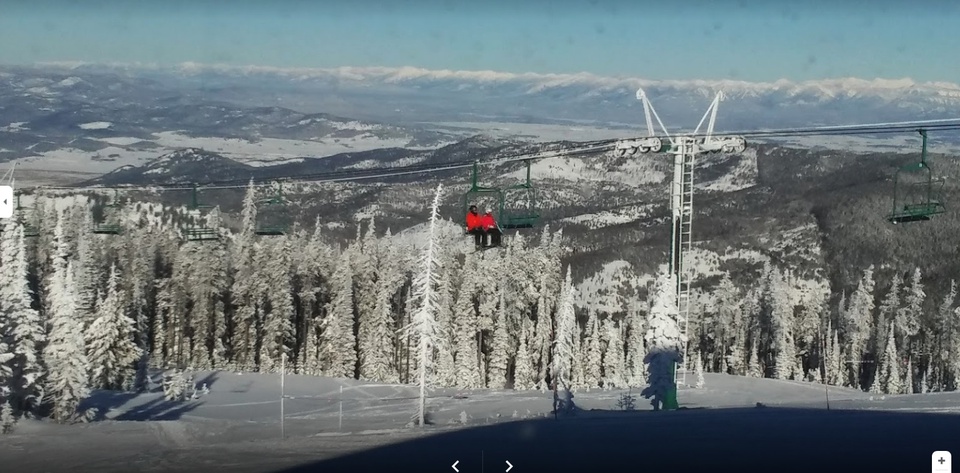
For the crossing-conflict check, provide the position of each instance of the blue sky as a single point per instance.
(722, 39)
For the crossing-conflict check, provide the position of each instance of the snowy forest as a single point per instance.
(81, 311)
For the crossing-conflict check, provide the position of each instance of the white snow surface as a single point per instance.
(634, 173)
(77, 160)
(600, 292)
(541, 132)
(742, 176)
(276, 150)
(14, 127)
(609, 218)
(124, 151)
(237, 424)
(96, 125)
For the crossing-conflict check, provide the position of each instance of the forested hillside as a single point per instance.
(82, 311)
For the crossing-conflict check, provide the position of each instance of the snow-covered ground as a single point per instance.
(634, 173)
(541, 132)
(70, 160)
(269, 151)
(96, 125)
(608, 218)
(123, 151)
(236, 426)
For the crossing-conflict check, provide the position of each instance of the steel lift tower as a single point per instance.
(684, 149)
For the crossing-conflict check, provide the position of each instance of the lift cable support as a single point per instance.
(685, 149)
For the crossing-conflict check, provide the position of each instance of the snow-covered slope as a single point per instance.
(236, 426)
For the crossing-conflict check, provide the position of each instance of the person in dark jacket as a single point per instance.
(475, 226)
(490, 226)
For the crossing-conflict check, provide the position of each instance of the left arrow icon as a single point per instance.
(454, 466)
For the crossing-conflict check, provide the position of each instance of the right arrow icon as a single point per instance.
(509, 466)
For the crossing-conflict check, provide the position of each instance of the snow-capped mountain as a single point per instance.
(435, 95)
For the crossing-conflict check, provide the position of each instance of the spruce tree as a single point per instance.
(111, 349)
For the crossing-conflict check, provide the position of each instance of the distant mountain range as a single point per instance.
(94, 119)
(412, 94)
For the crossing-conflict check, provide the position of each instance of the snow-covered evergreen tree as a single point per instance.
(781, 324)
(858, 317)
(66, 361)
(887, 313)
(7, 418)
(909, 316)
(467, 323)
(499, 356)
(369, 263)
(566, 335)
(953, 351)
(698, 368)
(636, 351)
(243, 290)
(278, 330)
(446, 368)
(337, 342)
(86, 267)
(754, 365)
(111, 350)
(833, 360)
(524, 377)
(731, 320)
(26, 328)
(376, 328)
(889, 375)
(664, 341)
(614, 364)
(176, 385)
(938, 330)
(593, 359)
(543, 328)
(424, 322)
(908, 377)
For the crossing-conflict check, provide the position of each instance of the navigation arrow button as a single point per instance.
(6, 196)
(509, 466)
(454, 466)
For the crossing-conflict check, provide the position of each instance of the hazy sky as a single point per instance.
(797, 40)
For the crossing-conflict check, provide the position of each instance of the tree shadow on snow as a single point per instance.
(159, 409)
(153, 407)
(741, 440)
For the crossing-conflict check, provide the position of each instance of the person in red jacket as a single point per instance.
(475, 227)
(490, 226)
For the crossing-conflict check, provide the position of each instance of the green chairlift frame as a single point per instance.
(477, 191)
(109, 223)
(25, 217)
(925, 201)
(515, 216)
(509, 216)
(270, 218)
(193, 230)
